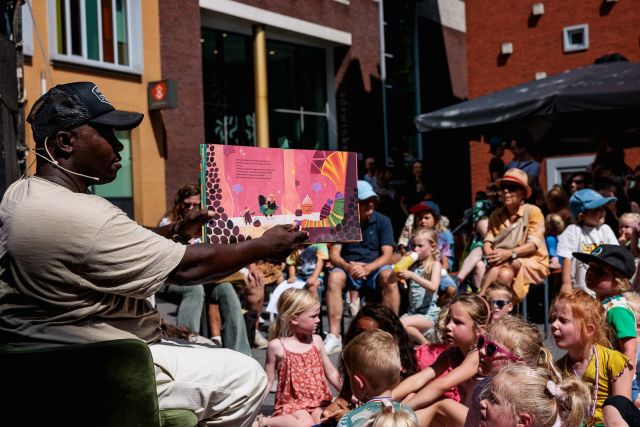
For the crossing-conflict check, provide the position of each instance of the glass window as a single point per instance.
(98, 32)
(27, 30)
(296, 87)
(120, 191)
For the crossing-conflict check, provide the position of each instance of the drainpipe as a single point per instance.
(260, 83)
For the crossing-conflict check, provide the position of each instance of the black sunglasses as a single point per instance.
(510, 187)
(499, 302)
(492, 348)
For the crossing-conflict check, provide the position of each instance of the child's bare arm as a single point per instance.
(274, 350)
(566, 274)
(316, 272)
(330, 371)
(292, 274)
(622, 385)
(416, 381)
(436, 388)
(629, 347)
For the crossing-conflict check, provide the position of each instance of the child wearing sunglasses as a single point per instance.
(501, 298)
(610, 268)
(578, 325)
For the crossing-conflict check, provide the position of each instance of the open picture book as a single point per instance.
(251, 189)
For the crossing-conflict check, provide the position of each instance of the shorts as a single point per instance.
(446, 281)
(370, 282)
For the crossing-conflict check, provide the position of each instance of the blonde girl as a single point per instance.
(302, 364)
(424, 281)
(628, 231)
(523, 396)
(392, 418)
(578, 326)
(467, 319)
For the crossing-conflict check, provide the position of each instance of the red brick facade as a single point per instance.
(538, 46)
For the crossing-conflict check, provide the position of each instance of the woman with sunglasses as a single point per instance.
(514, 245)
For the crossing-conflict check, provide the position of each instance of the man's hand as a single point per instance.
(358, 270)
(282, 240)
(191, 225)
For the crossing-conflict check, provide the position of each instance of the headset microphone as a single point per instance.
(57, 165)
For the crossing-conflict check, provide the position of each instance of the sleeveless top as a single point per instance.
(302, 382)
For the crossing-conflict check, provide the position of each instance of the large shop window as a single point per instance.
(120, 191)
(298, 112)
(99, 33)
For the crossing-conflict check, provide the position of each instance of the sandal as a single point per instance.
(259, 421)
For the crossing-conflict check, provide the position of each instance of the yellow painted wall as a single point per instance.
(124, 94)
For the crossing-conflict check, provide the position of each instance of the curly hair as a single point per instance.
(184, 192)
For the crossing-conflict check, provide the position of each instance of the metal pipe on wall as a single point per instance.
(260, 83)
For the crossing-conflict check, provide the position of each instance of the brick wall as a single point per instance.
(537, 46)
(182, 61)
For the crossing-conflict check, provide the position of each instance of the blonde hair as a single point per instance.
(476, 306)
(532, 391)
(292, 302)
(389, 417)
(374, 354)
(501, 287)
(633, 301)
(586, 310)
(442, 224)
(554, 224)
(622, 283)
(524, 339)
(557, 199)
(431, 237)
(633, 216)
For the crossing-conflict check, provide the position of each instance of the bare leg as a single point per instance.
(254, 296)
(505, 275)
(215, 321)
(390, 292)
(299, 418)
(335, 284)
(469, 264)
(478, 274)
(489, 278)
(612, 417)
(416, 326)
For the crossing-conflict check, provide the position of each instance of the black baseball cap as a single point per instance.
(70, 105)
(615, 256)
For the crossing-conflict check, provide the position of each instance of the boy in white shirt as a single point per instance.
(587, 206)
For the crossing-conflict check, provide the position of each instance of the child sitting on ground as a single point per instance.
(522, 396)
(302, 364)
(501, 298)
(587, 206)
(610, 268)
(372, 360)
(579, 327)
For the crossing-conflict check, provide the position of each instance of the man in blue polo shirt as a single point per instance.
(366, 265)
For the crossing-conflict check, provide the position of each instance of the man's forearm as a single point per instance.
(203, 263)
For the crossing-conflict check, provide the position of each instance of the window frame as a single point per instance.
(27, 29)
(134, 31)
(568, 46)
(556, 166)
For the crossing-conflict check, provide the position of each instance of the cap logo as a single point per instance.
(99, 95)
(598, 250)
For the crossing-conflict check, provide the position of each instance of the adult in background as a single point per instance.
(370, 169)
(496, 164)
(514, 244)
(364, 266)
(190, 298)
(577, 181)
(88, 276)
(416, 188)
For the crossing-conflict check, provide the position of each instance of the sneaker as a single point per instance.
(354, 308)
(332, 344)
(260, 341)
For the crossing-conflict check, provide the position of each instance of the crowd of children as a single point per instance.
(457, 354)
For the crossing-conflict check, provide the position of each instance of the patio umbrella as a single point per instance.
(565, 112)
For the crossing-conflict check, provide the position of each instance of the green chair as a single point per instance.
(109, 383)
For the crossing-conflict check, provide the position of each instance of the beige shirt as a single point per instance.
(74, 268)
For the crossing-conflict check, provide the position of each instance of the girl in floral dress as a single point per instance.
(304, 369)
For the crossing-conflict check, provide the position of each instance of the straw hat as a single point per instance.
(517, 176)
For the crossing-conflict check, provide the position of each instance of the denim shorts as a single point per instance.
(370, 282)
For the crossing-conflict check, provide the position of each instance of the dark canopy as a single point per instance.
(575, 107)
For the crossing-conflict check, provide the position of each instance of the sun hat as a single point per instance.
(517, 176)
(586, 199)
(365, 190)
(426, 205)
(67, 106)
(615, 256)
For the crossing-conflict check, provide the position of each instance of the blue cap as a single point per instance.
(365, 191)
(586, 199)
